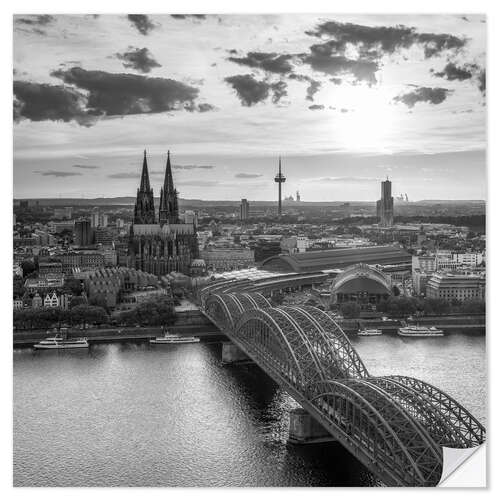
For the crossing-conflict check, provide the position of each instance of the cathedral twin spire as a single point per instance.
(144, 212)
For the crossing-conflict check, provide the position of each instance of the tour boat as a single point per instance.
(368, 332)
(59, 342)
(169, 338)
(420, 331)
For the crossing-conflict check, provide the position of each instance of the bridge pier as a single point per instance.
(232, 354)
(304, 429)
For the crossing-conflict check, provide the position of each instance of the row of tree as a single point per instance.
(36, 318)
(401, 307)
(158, 311)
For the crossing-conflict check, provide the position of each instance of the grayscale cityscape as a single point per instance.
(248, 250)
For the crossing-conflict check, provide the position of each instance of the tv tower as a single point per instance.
(280, 179)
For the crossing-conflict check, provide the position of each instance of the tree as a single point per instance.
(28, 267)
(473, 307)
(88, 314)
(436, 306)
(159, 311)
(72, 286)
(398, 306)
(350, 310)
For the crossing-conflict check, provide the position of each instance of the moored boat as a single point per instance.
(169, 338)
(369, 332)
(420, 331)
(59, 342)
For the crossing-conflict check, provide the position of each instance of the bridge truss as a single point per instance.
(396, 426)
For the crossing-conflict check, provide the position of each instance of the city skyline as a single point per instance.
(345, 100)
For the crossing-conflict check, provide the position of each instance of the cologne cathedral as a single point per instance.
(160, 245)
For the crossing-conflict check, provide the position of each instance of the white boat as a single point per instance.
(420, 331)
(59, 342)
(169, 338)
(369, 332)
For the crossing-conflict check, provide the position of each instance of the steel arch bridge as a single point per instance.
(396, 426)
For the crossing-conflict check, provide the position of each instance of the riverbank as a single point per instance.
(198, 325)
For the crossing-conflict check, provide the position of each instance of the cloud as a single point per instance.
(279, 90)
(198, 183)
(324, 58)
(344, 180)
(316, 107)
(267, 61)
(138, 59)
(482, 81)
(142, 22)
(453, 72)
(423, 94)
(313, 87)
(85, 167)
(41, 101)
(204, 107)
(57, 173)
(39, 20)
(187, 16)
(119, 94)
(192, 167)
(373, 42)
(124, 175)
(243, 175)
(249, 90)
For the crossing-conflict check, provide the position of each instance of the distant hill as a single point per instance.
(130, 200)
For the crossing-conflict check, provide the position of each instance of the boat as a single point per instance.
(170, 338)
(420, 331)
(369, 332)
(61, 342)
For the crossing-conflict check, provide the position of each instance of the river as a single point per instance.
(140, 415)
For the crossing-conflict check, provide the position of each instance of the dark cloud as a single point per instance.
(336, 81)
(192, 167)
(95, 94)
(41, 101)
(423, 94)
(204, 107)
(279, 90)
(267, 61)
(86, 167)
(249, 90)
(40, 20)
(118, 94)
(57, 173)
(247, 176)
(344, 110)
(372, 42)
(482, 81)
(142, 22)
(453, 72)
(324, 57)
(187, 16)
(313, 88)
(139, 59)
(316, 107)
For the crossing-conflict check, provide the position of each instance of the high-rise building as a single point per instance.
(297, 196)
(280, 179)
(385, 206)
(244, 209)
(164, 246)
(82, 233)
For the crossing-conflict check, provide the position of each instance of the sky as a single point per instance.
(345, 100)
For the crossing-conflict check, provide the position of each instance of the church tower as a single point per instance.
(144, 210)
(169, 203)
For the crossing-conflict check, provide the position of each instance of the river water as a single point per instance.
(140, 415)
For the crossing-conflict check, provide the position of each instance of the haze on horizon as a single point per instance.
(346, 100)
